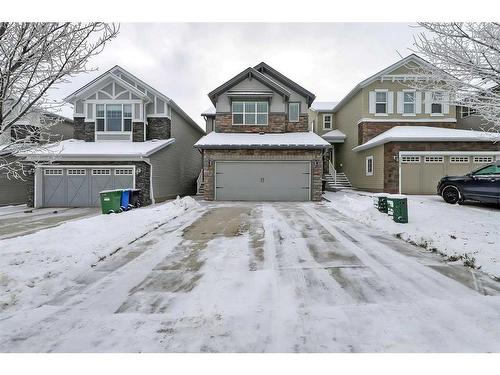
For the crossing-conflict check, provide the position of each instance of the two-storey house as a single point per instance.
(389, 137)
(127, 135)
(258, 146)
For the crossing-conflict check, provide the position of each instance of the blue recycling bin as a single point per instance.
(125, 201)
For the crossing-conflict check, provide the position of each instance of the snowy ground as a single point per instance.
(273, 277)
(452, 230)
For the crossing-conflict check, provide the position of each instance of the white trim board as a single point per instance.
(446, 153)
(444, 119)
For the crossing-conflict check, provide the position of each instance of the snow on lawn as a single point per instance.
(452, 230)
(35, 267)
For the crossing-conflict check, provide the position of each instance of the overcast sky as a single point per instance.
(186, 61)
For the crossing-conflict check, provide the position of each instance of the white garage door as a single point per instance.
(263, 180)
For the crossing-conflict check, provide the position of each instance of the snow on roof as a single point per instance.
(258, 140)
(334, 136)
(427, 134)
(210, 111)
(76, 148)
(323, 106)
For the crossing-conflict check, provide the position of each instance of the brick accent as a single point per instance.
(369, 130)
(142, 178)
(158, 128)
(137, 132)
(277, 123)
(210, 156)
(84, 131)
(391, 166)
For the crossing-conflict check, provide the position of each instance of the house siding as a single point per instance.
(211, 156)
(176, 167)
(277, 123)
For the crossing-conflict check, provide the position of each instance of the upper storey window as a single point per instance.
(409, 102)
(437, 102)
(250, 113)
(114, 117)
(327, 121)
(381, 102)
(293, 112)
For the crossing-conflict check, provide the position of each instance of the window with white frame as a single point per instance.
(122, 172)
(77, 172)
(113, 117)
(250, 113)
(293, 112)
(53, 172)
(434, 159)
(483, 159)
(369, 166)
(327, 121)
(381, 102)
(459, 159)
(437, 102)
(466, 111)
(409, 102)
(101, 172)
(409, 159)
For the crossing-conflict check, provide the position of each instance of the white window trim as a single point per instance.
(410, 159)
(131, 118)
(256, 113)
(477, 159)
(94, 172)
(437, 114)
(414, 113)
(53, 171)
(298, 111)
(434, 159)
(367, 172)
(386, 113)
(331, 121)
(121, 171)
(76, 172)
(459, 159)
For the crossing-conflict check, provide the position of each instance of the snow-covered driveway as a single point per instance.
(273, 277)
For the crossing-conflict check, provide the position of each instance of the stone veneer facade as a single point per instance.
(368, 130)
(158, 128)
(142, 178)
(391, 166)
(84, 131)
(211, 156)
(137, 132)
(277, 123)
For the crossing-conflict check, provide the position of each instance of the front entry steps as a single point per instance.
(340, 181)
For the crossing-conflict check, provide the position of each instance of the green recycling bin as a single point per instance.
(111, 201)
(380, 202)
(397, 207)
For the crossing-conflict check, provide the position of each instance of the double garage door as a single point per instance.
(263, 180)
(420, 174)
(80, 186)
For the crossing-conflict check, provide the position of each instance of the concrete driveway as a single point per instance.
(21, 220)
(273, 277)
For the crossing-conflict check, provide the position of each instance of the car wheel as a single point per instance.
(451, 194)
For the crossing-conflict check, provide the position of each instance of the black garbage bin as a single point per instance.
(135, 197)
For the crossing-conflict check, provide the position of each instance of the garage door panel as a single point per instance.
(263, 181)
(99, 183)
(55, 188)
(78, 188)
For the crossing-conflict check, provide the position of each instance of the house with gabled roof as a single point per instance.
(258, 146)
(127, 134)
(387, 136)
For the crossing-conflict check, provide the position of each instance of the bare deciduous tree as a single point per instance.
(33, 58)
(466, 63)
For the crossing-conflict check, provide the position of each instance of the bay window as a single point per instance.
(250, 113)
(113, 117)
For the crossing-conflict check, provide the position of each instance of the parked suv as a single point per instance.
(481, 185)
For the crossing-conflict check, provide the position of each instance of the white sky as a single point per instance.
(185, 61)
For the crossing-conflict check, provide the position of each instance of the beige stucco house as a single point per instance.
(389, 137)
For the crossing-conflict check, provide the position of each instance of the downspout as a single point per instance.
(145, 120)
(151, 193)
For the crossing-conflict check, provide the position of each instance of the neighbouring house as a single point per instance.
(389, 137)
(127, 135)
(26, 133)
(258, 146)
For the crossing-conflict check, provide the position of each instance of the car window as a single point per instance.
(490, 169)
